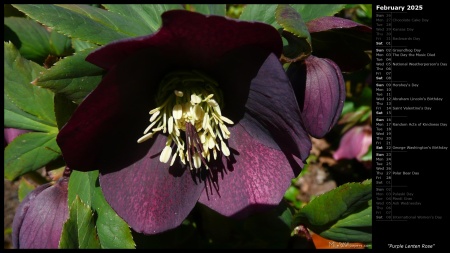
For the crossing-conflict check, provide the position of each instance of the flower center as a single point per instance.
(189, 102)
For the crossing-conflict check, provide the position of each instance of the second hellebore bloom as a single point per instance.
(40, 217)
(200, 111)
(338, 45)
(355, 143)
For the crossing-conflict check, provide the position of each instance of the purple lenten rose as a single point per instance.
(338, 45)
(39, 219)
(200, 111)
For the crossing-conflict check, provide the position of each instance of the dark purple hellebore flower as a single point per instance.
(338, 45)
(39, 219)
(225, 128)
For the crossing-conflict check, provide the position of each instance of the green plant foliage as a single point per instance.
(79, 230)
(208, 9)
(146, 16)
(112, 231)
(343, 214)
(72, 76)
(83, 21)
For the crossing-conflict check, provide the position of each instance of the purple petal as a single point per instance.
(272, 111)
(148, 195)
(192, 38)
(320, 90)
(268, 146)
(341, 40)
(256, 181)
(110, 120)
(354, 143)
(327, 23)
(40, 217)
(11, 133)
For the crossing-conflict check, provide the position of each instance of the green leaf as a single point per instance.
(60, 45)
(349, 106)
(83, 21)
(260, 12)
(31, 38)
(72, 76)
(291, 196)
(146, 16)
(79, 230)
(343, 214)
(80, 45)
(82, 184)
(208, 9)
(313, 11)
(16, 118)
(19, 72)
(295, 32)
(25, 187)
(266, 12)
(113, 232)
(29, 152)
(292, 21)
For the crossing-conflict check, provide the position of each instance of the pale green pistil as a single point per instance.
(189, 102)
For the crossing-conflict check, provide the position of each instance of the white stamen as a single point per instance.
(199, 111)
(154, 110)
(226, 120)
(197, 161)
(225, 149)
(178, 93)
(165, 154)
(205, 122)
(211, 143)
(224, 129)
(150, 127)
(170, 125)
(164, 122)
(215, 154)
(195, 99)
(213, 103)
(153, 117)
(208, 97)
(145, 137)
(177, 111)
(173, 159)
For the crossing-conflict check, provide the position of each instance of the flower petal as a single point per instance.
(255, 178)
(193, 38)
(320, 90)
(354, 143)
(111, 118)
(338, 39)
(272, 112)
(267, 146)
(40, 217)
(148, 195)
